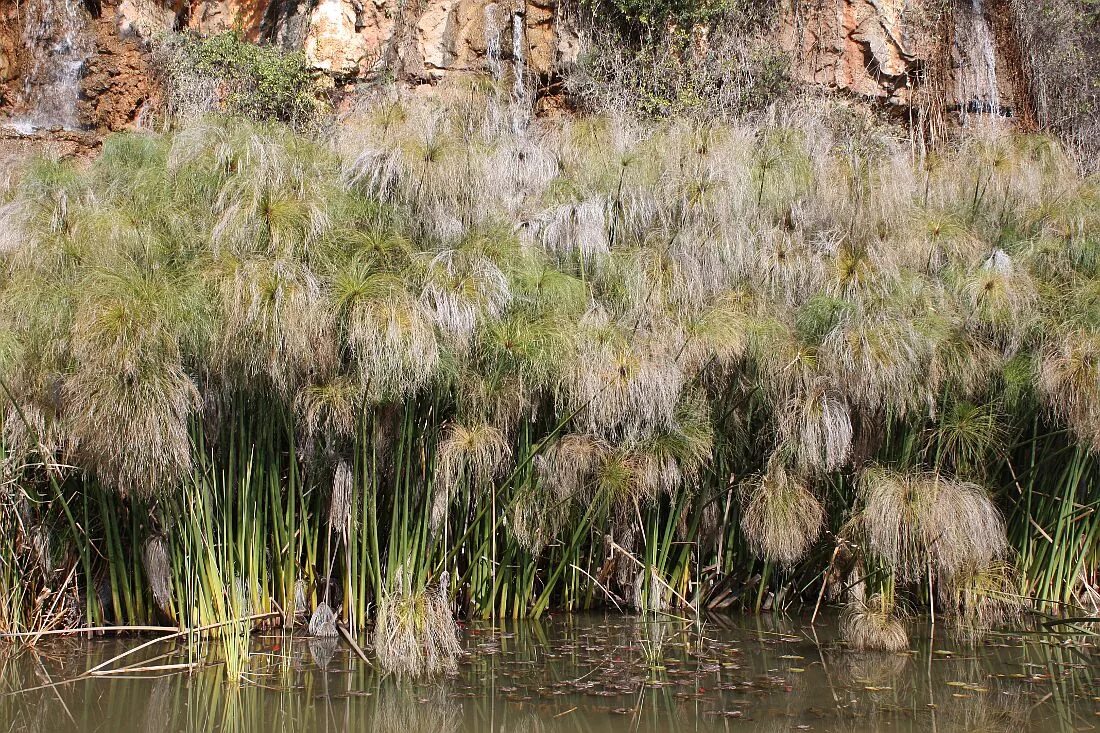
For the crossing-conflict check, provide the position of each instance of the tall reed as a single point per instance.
(586, 362)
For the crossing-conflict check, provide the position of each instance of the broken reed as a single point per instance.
(587, 363)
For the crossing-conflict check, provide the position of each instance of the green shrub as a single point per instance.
(224, 73)
(719, 69)
(659, 13)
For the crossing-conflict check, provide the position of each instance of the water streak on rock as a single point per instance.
(976, 81)
(58, 43)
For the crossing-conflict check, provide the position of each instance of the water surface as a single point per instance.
(580, 673)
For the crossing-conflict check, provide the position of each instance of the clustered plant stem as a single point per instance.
(406, 369)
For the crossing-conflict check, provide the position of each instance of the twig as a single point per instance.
(610, 595)
(56, 600)
(656, 576)
(185, 632)
(824, 584)
(150, 668)
(351, 641)
(84, 630)
(1072, 620)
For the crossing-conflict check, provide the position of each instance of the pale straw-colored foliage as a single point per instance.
(415, 633)
(780, 516)
(641, 295)
(874, 625)
(917, 522)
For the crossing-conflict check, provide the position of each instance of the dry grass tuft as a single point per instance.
(471, 453)
(415, 633)
(157, 567)
(780, 517)
(917, 522)
(874, 625)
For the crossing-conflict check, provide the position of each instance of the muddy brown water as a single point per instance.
(579, 673)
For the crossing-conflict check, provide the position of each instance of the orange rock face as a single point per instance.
(215, 16)
(118, 79)
(860, 46)
(899, 54)
(9, 54)
(883, 51)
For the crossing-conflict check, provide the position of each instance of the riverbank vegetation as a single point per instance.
(438, 361)
(226, 74)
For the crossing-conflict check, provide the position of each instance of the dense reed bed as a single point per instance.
(446, 360)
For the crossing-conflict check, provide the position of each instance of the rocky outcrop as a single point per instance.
(118, 80)
(9, 44)
(61, 64)
(861, 46)
(899, 53)
(423, 41)
(351, 40)
(16, 148)
(887, 52)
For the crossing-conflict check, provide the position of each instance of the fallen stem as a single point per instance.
(351, 642)
(178, 634)
(84, 630)
(150, 668)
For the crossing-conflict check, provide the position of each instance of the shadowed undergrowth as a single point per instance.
(589, 362)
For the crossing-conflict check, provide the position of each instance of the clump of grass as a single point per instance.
(472, 453)
(158, 569)
(985, 597)
(1068, 375)
(549, 361)
(781, 518)
(323, 621)
(415, 632)
(818, 430)
(874, 625)
(917, 521)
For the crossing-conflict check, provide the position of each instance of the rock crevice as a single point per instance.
(886, 52)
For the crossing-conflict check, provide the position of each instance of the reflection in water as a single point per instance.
(580, 673)
(323, 650)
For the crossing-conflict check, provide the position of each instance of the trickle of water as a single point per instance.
(521, 104)
(492, 41)
(58, 44)
(976, 81)
(518, 106)
(519, 42)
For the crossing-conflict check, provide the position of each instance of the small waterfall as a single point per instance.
(521, 103)
(976, 80)
(517, 106)
(58, 44)
(519, 43)
(492, 42)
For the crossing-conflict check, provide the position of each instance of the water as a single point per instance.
(519, 51)
(976, 81)
(585, 673)
(58, 41)
(519, 102)
(492, 42)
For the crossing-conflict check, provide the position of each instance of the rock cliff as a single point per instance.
(886, 52)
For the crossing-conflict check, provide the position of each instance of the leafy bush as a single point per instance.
(640, 14)
(1062, 40)
(224, 73)
(718, 67)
